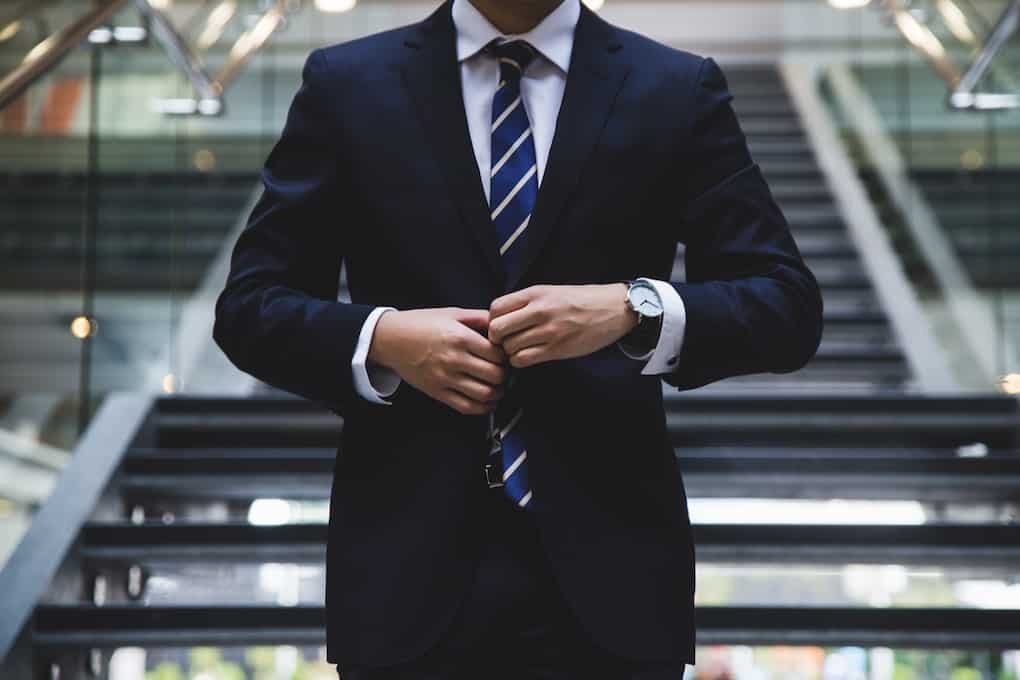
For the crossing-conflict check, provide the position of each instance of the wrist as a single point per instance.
(380, 350)
(628, 315)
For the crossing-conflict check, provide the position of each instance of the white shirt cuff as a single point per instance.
(663, 357)
(372, 381)
(671, 338)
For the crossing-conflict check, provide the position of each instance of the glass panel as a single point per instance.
(44, 147)
(117, 212)
(943, 180)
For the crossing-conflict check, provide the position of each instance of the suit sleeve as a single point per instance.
(277, 317)
(751, 303)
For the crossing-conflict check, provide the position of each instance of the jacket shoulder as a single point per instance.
(670, 62)
(373, 50)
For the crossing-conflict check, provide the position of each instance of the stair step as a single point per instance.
(89, 626)
(943, 543)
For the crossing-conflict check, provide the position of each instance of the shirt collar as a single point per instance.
(553, 36)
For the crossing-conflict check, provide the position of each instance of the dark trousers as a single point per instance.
(514, 623)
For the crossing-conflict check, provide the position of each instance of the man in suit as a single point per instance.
(507, 182)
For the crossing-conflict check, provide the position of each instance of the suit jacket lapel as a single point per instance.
(432, 74)
(593, 81)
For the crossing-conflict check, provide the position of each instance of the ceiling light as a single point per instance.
(335, 6)
(9, 31)
(215, 23)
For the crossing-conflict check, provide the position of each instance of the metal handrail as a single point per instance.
(924, 40)
(30, 568)
(895, 291)
(209, 91)
(971, 311)
(251, 41)
(47, 54)
(963, 95)
(961, 85)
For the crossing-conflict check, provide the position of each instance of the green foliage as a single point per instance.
(165, 671)
(965, 673)
(904, 671)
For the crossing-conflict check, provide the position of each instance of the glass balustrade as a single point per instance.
(131, 136)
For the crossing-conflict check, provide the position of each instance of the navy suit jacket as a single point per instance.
(375, 168)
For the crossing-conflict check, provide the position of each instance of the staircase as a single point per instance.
(154, 232)
(207, 524)
(182, 547)
(980, 213)
(859, 352)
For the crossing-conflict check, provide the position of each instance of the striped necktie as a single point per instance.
(513, 186)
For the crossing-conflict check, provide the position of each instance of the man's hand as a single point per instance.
(444, 353)
(547, 322)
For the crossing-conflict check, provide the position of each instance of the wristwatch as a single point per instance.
(644, 299)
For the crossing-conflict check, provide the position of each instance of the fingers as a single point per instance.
(481, 347)
(514, 322)
(476, 390)
(511, 301)
(530, 356)
(465, 404)
(484, 370)
(478, 319)
(535, 335)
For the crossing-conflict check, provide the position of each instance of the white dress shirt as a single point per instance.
(541, 93)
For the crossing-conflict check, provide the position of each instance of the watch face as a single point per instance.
(645, 300)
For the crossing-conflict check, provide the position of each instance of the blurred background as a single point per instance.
(163, 516)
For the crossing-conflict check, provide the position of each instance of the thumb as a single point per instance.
(477, 319)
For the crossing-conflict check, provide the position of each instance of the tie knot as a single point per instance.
(514, 56)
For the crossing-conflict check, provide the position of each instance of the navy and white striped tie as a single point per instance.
(513, 186)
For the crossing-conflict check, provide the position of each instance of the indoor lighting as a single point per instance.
(267, 512)
(130, 34)
(971, 159)
(184, 106)
(215, 24)
(849, 4)
(594, 5)
(160, 4)
(82, 327)
(204, 160)
(984, 101)
(101, 36)
(335, 6)
(39, 50)
(919, 35)
(956, 22)
(169, 383)
(1010, 383)
(9, 31)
